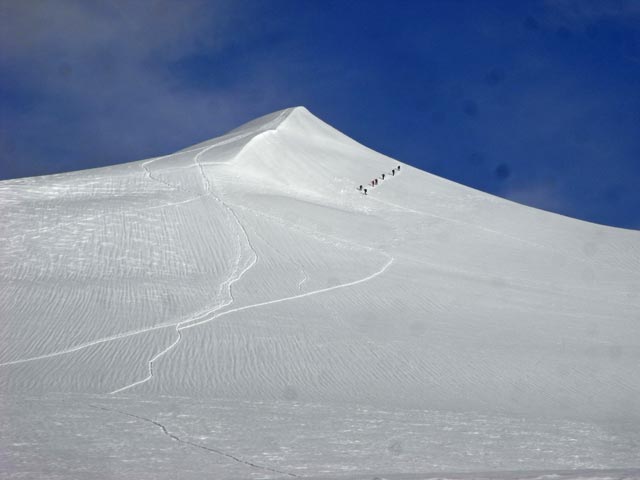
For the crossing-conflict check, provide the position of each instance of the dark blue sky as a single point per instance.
(535, 101)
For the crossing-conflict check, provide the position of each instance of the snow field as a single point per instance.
(250, 272)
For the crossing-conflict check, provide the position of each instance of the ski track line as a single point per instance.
(233, 278)
(229, 282)
(159, 180)
(150, 364)
(111, 338)
(301, 282)
(89, 344)
(196, 322)
(149, 175)
(125, 334)
(175, 438)
(202, 319)
(294, 297)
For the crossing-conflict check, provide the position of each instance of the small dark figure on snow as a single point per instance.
(365, 191)
(393, 172)
(360, 188)
(376, 181)
(398, 167)
(383, 176)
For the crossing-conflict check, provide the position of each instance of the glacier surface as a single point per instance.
(238, 309)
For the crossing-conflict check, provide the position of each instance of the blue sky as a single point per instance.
(535, 101)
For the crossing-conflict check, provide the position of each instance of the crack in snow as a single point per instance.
(173, 437)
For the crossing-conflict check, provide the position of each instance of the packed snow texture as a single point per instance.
(246, 278)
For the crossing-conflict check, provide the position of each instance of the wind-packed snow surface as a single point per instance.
(239, 309)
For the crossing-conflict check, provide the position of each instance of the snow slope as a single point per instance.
(249, 268)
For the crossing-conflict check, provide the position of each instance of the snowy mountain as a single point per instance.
(243, 287)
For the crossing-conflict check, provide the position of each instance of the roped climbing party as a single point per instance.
(374, 182)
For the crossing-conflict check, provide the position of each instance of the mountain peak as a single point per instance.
(251, 268)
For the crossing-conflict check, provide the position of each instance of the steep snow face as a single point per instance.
(250, 267)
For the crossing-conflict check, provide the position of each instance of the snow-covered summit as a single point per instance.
(250, 263)
(251, 268)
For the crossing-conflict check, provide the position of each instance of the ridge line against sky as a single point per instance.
(535, 101)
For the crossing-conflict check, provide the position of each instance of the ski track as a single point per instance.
(150, 364)
(294, 297)
(159, 180)
(209, 315)
(200, 319)
(212, 315)
(134, 332)
(233, 278)
(175, 438)
(88, 344)
(304, 279)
